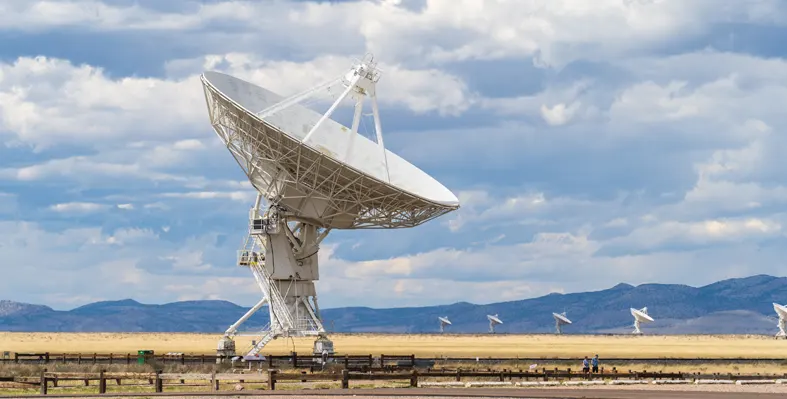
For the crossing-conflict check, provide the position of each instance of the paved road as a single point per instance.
(412, 393)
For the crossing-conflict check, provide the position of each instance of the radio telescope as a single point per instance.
(493, 320)
(560, 321)
(314, 175)
(640, 316)
(443, 322)
(781, 310)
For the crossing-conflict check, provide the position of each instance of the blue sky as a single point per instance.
(590, 143)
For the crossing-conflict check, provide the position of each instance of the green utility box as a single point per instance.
(143, 356)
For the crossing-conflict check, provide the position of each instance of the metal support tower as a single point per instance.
(282, 257)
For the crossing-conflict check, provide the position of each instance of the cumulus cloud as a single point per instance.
(638, 145)
(78, 207)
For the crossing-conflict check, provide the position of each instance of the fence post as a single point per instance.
(271, 379)
(110, 358)
(346, 362)
(159, 382)
(412, 360)
(414, 379)
(182, 358)
(458, 374)
(102, 383)
(345, 379)
(128, 358)
(294, 359)
(382, 361)
(46, 358)
(16, 357)
(43, 382)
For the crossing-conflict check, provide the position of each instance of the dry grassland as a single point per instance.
(422, 345)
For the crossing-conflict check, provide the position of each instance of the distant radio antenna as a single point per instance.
(781, 310)
(493, 321)
(640, 316)
(443, 322)
(560, 321)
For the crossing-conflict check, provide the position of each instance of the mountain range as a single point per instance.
(733, 306)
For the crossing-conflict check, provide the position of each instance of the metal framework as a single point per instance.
(443, 322)
(308, 193)
(559, 323)
(493, 321)
(637, 321)
(313, 186)
(782, 324)
(636, 327)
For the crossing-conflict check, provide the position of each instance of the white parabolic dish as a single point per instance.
(781, 310)
(444, 320)
(641, 316)
(494, 319)
(561, 318)
(320, 180)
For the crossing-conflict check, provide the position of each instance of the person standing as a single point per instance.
(585, 365)
(595, 364)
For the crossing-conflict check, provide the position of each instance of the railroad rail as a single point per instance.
(351, 362)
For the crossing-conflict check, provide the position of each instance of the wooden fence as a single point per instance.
(352, 362)
(159, 380)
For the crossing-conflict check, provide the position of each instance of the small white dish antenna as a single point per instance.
(560, 321)
(781, 310)
(640, 316)
(443, 322)
(493, 321)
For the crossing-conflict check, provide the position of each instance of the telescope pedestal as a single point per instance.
(782, 328)
(282, 256)
(636, 327)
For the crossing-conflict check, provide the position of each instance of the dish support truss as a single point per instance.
(558, 326)
(282, 256)
(782, 324)
(492, 325)
(636, 327)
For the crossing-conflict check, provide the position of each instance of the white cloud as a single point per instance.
(188, 261)
(559, 114)
(665, 166)
(78, 207)
(242, 196)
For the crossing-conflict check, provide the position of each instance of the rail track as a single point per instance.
(348, 361)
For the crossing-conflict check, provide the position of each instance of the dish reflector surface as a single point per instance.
(563, 319)
(641, 316)
(494, 319)
(444, 320)
(285, 129)
(781, 310)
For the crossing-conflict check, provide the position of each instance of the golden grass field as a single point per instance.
(421, 345)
